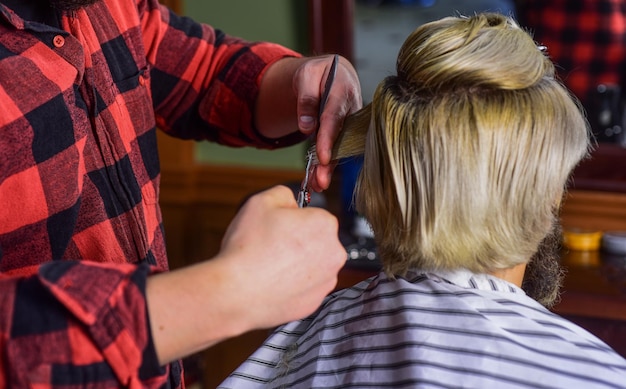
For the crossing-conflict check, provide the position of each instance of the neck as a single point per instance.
(514, 274)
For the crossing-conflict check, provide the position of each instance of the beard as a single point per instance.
(71, 5)
(544, 275)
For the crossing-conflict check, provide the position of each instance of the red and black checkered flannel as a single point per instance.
(585, 38)
(79, 178)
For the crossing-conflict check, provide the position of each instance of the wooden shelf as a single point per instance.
(604, 171)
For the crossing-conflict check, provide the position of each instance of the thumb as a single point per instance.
(278, 196)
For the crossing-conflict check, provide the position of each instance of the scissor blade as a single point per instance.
(329, 83)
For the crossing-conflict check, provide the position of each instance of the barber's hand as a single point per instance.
(289, 100)
(344, 98)
(284, 260)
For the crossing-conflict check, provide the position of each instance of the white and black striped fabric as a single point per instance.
(445, 330)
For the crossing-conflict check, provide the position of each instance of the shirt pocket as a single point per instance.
(133, 101)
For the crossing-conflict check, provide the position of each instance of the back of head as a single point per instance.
(468, 148)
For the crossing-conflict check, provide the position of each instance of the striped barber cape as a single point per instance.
(444, 330)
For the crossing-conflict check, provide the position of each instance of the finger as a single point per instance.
(308, 105)
(322, 177)
(278, 196)
(308, 84)
(344, 99)
(331, 123)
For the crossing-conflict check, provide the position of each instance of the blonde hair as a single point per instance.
(467, 149)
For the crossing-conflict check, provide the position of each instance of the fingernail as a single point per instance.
(307, 121)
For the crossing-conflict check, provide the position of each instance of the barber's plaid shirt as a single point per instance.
(79, 178)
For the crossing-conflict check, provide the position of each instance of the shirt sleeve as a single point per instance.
(77, 324)
(204, 83)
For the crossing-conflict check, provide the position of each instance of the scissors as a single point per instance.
(304, 195)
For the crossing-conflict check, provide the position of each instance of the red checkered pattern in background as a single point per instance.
(585, 38)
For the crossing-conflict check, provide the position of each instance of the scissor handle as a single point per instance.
(304, 197)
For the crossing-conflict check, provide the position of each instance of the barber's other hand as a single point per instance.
(283, 260)
(289, 100)
(344, 98)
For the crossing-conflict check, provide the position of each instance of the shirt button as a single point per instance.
(58, 41)
(142, 80)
